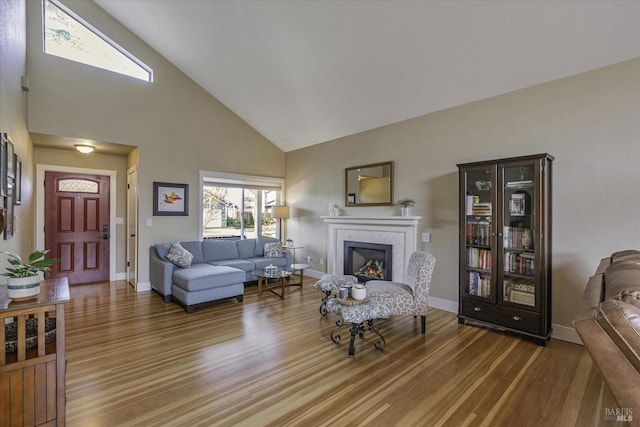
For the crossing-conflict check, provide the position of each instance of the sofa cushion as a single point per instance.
(215, 250)
(619, 277)
(621, 321)
(179, 255)
(260, 242)
(246, 247)
(241, 264)
(195, 248)
(630, 297)
(163, 249)
(625, 256)
(206, 276)
(273, 250)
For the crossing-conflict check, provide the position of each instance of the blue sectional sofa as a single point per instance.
(219, 269)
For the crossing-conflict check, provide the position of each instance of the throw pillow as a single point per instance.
(179, 255)
(273, 250)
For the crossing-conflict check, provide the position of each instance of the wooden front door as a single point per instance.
(77, 225)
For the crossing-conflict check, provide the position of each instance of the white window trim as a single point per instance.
(97, 32)
(232, 178)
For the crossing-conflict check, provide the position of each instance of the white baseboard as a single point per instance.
(443, 304)
(143, 286)
(565, 333)
(120, 276)
(314, 273)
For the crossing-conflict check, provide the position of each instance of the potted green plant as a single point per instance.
(406, 204)
(24, 277)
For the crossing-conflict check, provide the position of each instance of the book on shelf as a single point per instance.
(479, 258)
(479, 284)
(481, 209)
(517, 205)
(517, 237)
(471, 200)
(520, 292)
(479, 232)
(520, 263)
(520, 297)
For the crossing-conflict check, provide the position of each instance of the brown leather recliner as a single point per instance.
(608, 323)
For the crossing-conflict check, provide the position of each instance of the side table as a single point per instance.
(361, 317)
(298, 269)
(292, 249)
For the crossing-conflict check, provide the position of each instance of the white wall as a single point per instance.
(590, 123)
(13, 120)
(178, 128)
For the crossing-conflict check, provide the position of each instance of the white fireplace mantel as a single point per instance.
(398, 231)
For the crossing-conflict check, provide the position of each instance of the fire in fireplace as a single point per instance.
(368, 261)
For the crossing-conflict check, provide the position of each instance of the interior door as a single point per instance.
(132, 227)
(77, 225)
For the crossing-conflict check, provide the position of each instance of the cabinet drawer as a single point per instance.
(508, 317)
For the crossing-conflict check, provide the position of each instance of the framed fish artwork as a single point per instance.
(170, 199)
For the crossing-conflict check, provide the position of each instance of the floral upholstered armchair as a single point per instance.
(408, 298)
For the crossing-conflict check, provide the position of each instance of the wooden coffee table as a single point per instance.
(279, 279)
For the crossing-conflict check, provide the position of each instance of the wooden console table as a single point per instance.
(32, 380)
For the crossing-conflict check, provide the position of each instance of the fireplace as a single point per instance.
(368, 261)
(398, 231)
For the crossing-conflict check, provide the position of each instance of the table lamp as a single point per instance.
(281, 212)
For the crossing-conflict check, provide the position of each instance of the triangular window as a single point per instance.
(68, 36)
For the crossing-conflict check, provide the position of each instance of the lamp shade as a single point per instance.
(280, 212)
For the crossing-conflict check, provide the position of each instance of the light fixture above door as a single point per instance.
(84, 148)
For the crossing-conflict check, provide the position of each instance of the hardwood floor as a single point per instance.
(135, 361)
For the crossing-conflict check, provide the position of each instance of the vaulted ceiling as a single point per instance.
(306, 72)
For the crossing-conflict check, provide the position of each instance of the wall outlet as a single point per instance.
(426, 237)
(149, 222)
(321, 261)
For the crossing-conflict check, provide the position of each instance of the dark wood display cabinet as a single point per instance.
(505, 245)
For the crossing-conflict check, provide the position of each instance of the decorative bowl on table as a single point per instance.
(271, 269)
(359, 292)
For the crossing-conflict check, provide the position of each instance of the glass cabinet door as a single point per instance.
(480, 190)
(519, 235)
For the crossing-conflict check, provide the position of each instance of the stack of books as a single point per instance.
(482, 209)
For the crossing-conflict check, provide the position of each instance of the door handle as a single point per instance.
(105, 236)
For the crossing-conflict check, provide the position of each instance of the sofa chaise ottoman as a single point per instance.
(212, 269)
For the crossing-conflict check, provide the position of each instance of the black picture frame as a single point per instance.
(17, 189)
(3, 164)
(11, 172)
(170, 199)
(8, 205)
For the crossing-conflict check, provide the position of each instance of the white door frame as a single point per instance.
(39, 232)
(132, 219)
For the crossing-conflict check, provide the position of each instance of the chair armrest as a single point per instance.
(160, 273)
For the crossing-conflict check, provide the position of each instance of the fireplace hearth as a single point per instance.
(368, 261)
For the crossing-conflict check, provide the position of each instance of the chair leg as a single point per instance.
(423, 324)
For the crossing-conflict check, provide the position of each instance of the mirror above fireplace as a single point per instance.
(369, 185)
